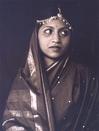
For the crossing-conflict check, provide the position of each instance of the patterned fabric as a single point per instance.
(70, 92)
(25, 108)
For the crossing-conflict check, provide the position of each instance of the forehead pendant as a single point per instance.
(59, 16)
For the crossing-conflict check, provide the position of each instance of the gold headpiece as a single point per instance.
(59, 16)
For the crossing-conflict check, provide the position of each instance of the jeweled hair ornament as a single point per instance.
(59, 16)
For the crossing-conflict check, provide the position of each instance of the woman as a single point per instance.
(51, 93)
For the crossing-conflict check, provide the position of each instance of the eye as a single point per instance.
(64, 33)
(48, 31)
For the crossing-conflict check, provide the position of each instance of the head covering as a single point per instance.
(35, 72)
(43, 11)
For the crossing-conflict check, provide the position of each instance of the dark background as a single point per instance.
(16, 25)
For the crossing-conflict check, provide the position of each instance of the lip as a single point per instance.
(55, 46)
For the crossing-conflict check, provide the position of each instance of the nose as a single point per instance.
(56, 38)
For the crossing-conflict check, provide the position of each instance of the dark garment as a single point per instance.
(74, 99)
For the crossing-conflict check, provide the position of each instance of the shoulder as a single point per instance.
(79, 68)
(18, 87)
(19, 83)
(84, 70)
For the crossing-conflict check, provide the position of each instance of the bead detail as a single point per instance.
(53, 98)
(58, 77)
(69, 101)
(20, 77)
(36, 116)
(58, 82)
(93, 78)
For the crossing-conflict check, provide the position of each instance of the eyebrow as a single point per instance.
(47, 27)
(64, 27)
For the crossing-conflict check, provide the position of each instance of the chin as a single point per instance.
(54, 56)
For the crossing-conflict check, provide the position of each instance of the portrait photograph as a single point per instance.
(49, 65)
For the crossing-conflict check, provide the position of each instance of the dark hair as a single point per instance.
(70, 11)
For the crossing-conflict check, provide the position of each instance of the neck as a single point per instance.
(49, 61)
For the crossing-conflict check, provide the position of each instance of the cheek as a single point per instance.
(66, 41)
(43, 41)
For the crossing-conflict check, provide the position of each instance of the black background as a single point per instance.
(16, 25)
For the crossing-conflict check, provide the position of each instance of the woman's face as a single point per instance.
(54, 39)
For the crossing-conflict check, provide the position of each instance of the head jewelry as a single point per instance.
(59, 16)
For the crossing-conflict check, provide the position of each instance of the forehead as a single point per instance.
(54, 24)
